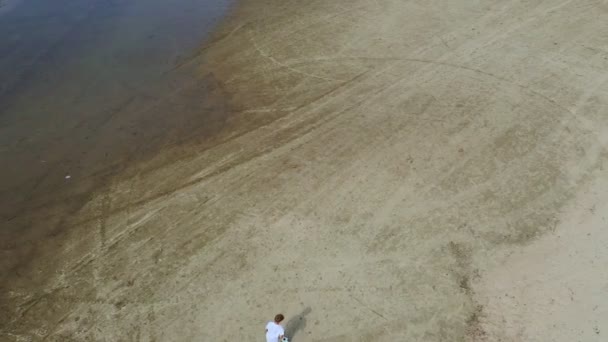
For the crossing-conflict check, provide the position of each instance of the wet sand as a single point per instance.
(379, 170)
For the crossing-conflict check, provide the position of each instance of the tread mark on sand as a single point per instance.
(368, 308)
(223, 168)
(585, 123)
(285, 66)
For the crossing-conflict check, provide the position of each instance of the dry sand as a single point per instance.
(390, 171)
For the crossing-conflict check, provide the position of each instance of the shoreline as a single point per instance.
(68, 167)
(78, 149)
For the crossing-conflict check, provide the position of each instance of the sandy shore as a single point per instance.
(555, 288)
(388, 171)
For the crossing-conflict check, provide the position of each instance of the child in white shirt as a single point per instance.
(274, 330)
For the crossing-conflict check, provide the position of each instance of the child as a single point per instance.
(274, 330)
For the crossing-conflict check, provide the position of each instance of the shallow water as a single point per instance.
(89, 86)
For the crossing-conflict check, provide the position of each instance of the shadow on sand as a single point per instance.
(296, 324)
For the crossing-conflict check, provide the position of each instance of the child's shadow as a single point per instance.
(297, 323)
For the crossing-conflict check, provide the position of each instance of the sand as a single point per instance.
(390, 171)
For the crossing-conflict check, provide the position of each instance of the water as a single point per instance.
(89, 87)
(97, 43)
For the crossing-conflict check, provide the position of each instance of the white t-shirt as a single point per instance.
(274, 331)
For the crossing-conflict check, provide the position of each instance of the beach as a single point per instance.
(374, 170)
